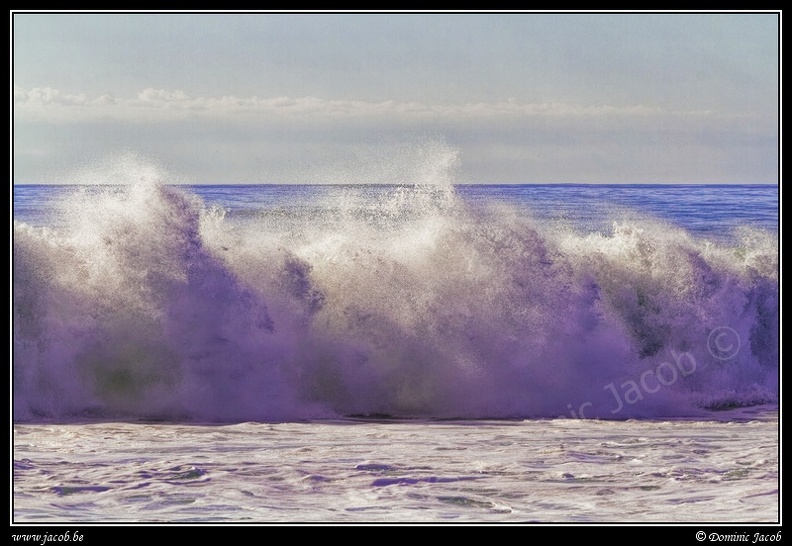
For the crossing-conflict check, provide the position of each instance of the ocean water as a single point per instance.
(395, 353)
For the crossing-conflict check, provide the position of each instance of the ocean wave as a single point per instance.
(147, 303)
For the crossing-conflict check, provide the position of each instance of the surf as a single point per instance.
(144, 301)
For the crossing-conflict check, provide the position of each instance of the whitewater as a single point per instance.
(421, 351)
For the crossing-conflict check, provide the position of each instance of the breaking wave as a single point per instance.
(145, 302)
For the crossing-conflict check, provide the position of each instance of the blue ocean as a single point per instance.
(378, 352)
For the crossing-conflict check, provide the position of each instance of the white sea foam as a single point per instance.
(144, 302)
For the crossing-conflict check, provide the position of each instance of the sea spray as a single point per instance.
(405, 300)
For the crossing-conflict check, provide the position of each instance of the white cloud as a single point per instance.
(44, 104)
(242, 139)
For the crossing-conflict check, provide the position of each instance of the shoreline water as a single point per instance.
(553, 471)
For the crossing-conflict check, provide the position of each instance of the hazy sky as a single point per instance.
(286, 98)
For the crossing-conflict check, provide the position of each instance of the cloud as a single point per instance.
(241, 139)
(44, 104)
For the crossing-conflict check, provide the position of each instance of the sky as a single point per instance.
(377, 98)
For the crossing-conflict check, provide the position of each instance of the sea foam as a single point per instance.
(145, 302)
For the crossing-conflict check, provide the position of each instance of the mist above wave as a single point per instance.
(145, 302)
